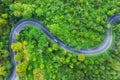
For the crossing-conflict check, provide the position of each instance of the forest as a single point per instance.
(81, 24)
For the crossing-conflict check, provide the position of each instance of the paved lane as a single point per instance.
(17, 28)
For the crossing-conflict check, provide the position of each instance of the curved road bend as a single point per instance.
(17, 28)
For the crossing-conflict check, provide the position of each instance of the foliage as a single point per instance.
(81, 57)
(24, 10)
(21, 69)
(3, 22)
(5, 65)
(2, 70)
(54, 63)
(78, 23)
(37, 74)
(16, 46)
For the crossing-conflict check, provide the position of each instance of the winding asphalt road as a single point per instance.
(17, 28)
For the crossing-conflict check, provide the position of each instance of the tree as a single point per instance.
(3, 70)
